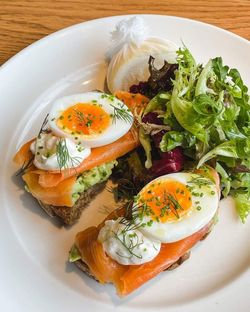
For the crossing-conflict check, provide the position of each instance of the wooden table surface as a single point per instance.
(25, 21)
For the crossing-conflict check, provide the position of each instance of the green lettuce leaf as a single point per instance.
(146, 144)
(205, 105)
(158, 102)
(242, 202)
(225, 179)
(172, 139)
(74, 254)
(185, 114)
(206, 74)
(208, 112)
(226, 149)
(219, 69)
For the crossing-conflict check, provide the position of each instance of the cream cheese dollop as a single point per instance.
(130, 51)
(127, 246)
(45, 150)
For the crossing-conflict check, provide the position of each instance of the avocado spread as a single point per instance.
(91, 177)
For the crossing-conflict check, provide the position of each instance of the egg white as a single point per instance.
(193, 221)
(114, 131)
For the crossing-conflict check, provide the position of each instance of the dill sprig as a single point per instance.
(124, 190)
(134, 213)
(79, 115)
(175, 205)
(63, 157)
(121, 113)
(25, 166)
(29, 162)
(44, 128)
(130, 243)
(82, 118)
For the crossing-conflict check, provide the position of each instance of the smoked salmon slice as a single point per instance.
(128, 278)
(55, 188)
(135, 102)
(59, 195)
(98, 156)
(136, 276)
(105, 269)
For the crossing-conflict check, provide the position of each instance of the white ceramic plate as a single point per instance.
(34, 274)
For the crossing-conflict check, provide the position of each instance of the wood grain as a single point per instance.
(25, 21)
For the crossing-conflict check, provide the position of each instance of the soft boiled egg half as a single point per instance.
(168, 209)
(91, 119)
(176, 206)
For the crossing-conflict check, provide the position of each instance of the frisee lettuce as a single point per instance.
(208, 112)
(145, 142)
(242, 202)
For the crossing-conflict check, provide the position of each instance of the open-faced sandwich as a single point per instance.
(155, 231)
(76, 149)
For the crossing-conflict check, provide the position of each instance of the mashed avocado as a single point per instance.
(91, 177)
(74, 254)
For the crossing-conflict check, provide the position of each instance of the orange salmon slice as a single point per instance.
(128, 278)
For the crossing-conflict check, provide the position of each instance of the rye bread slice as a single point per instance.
(69, 215)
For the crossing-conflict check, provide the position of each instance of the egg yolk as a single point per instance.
(165, 201)
(84, 119)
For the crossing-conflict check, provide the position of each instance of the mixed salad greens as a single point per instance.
(200, 114)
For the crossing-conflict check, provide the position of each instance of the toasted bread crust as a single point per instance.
(69, 215)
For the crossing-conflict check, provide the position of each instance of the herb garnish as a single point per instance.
(130, 242)
(29, 162)
(63, 157)
(25, 166)
(121, 113)
(44, 128)
(125, 190)
(84, 119)
(200, 181)
(132, 220)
